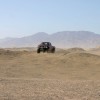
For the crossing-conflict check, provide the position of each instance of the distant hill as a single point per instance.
(64, 39)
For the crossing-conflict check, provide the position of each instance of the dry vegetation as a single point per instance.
(71, 74)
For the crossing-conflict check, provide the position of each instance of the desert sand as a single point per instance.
(71, 74)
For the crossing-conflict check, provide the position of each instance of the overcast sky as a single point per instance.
(25, 17)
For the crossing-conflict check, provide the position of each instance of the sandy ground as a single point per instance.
(44, 89)
(72, 74)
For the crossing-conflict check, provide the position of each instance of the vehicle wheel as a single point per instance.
(53, 50)
(38, 50)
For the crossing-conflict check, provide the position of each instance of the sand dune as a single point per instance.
(68, 65)
(71, 74)
(95, 51)
(75, 49)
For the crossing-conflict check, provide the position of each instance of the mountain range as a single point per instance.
(63, 39)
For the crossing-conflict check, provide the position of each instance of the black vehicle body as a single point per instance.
(45, 47)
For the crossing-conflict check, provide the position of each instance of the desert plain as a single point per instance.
(67, 74)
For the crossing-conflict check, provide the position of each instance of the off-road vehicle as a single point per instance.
(46, 47)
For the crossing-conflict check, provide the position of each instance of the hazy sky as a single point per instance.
(25, 17)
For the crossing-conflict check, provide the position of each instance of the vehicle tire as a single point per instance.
(53, 50)
(38, 50)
